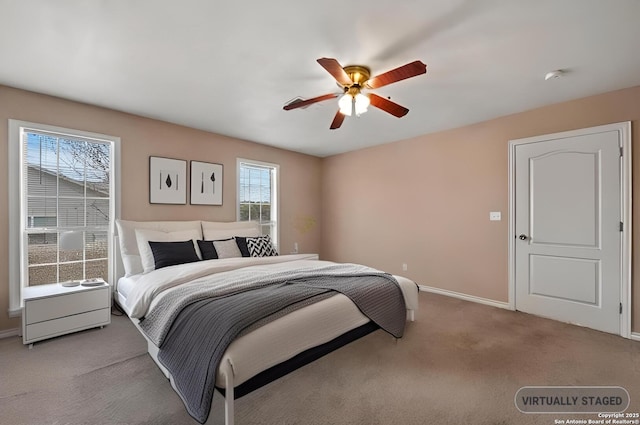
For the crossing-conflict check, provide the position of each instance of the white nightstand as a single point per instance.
(53, 310)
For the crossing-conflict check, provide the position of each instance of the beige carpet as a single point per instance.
(459, 363)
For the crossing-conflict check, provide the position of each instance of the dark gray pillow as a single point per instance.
(242, 246)
(172, 253)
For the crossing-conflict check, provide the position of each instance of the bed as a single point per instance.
(288, 309)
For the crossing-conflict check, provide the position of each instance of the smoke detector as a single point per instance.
(554, 74)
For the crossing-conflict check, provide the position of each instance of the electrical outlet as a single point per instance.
(495, 216)
(295, 248)
(404, 267)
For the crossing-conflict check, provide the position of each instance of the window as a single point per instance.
(63, 198)
(258, 195)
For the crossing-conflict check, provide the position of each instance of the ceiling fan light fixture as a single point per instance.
(353, 103)
(346, 104)
(361, 103)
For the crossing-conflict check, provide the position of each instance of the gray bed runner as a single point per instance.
(193, 347)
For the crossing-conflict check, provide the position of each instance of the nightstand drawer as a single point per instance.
(40, 310)
(67, 324)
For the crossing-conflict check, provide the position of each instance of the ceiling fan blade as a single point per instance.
(398, 74)
(337, 120)
(307, 102)
(387, 105)
(335, 69)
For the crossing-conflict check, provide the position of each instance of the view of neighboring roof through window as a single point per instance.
(67, 188)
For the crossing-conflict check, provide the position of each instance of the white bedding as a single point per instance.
(126, 284)
(278, 340)
(151, 286)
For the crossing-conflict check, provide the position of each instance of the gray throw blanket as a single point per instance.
(158, 320)
(192, 348)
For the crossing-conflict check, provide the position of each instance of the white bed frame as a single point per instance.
(225, 368)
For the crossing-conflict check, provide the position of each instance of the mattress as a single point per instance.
(294, 333)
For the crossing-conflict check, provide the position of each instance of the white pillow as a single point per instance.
(213, 230)
(129, 243)
(143, 237)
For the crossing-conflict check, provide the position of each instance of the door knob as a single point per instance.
(523, 237)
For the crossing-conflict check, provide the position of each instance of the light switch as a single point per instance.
(495, 216)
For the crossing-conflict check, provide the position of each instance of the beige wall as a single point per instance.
(426, 201)
(140, 138)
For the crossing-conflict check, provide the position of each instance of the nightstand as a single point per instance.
(53, 310)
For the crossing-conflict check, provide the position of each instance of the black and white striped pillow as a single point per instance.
(261, 246)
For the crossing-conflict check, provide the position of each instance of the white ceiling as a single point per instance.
(230, 66)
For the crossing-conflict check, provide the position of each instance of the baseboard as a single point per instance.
(465, 297)
(634, 335)
(9, 333)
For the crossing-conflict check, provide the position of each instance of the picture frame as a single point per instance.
(167, 180)
(206, 183)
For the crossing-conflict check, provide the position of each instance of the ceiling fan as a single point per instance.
(353, 79)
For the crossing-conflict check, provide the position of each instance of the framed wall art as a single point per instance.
(167, 180)
(206, 183)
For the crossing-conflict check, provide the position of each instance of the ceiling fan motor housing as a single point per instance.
(358, 74)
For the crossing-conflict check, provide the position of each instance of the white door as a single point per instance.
(567, 228)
